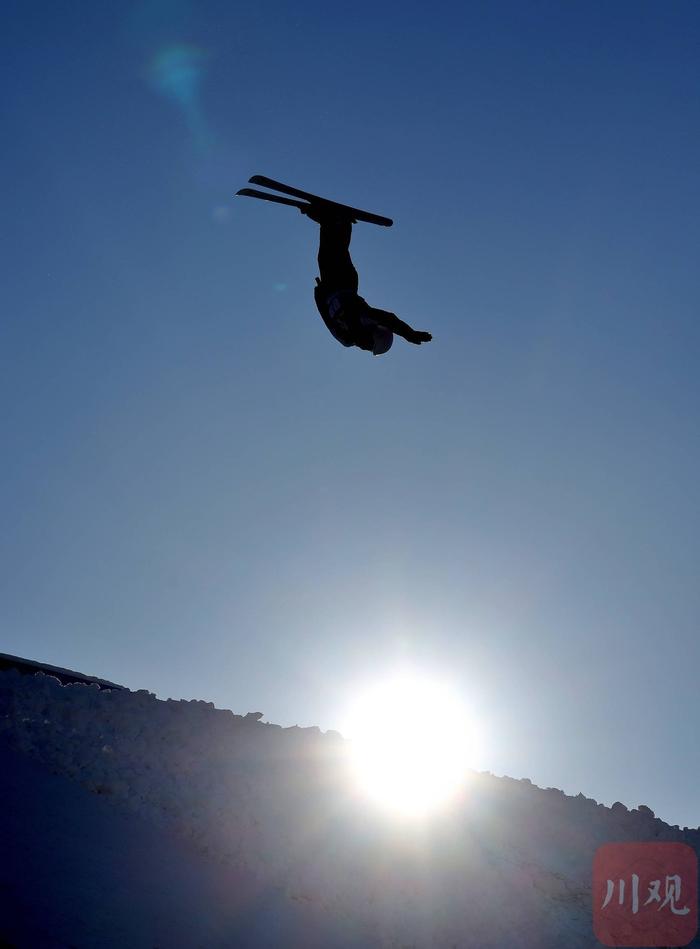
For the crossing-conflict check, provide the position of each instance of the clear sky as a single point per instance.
(203, 494)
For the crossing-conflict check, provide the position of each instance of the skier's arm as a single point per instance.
(393, 323)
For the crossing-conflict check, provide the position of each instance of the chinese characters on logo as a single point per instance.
(645, 894)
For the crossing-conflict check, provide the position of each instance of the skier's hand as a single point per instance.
(420, 336)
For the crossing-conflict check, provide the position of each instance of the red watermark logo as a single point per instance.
(645, 894)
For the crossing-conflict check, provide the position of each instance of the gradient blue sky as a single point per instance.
(206, 496)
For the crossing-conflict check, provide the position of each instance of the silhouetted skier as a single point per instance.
(347, 315)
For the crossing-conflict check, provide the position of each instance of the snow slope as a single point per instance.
(131, 821)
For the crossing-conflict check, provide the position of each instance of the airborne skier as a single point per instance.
(347, 315)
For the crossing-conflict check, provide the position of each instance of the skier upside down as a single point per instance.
(348, 316)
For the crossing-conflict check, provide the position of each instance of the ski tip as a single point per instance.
(357, 214)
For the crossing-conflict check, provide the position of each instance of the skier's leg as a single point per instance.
(334, 261)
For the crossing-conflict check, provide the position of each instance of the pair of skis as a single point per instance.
(303, 200)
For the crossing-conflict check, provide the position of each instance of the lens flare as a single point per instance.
(176, 73)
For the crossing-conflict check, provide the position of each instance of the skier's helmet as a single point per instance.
(383, 338)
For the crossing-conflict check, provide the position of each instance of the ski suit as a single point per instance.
(347, 315)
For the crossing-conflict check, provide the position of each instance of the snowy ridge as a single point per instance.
(508, 864)
(65, 676)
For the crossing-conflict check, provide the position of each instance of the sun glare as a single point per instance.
(412, 743)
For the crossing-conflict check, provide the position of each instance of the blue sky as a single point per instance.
(204, 495)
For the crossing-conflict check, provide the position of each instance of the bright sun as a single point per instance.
(412, 743)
